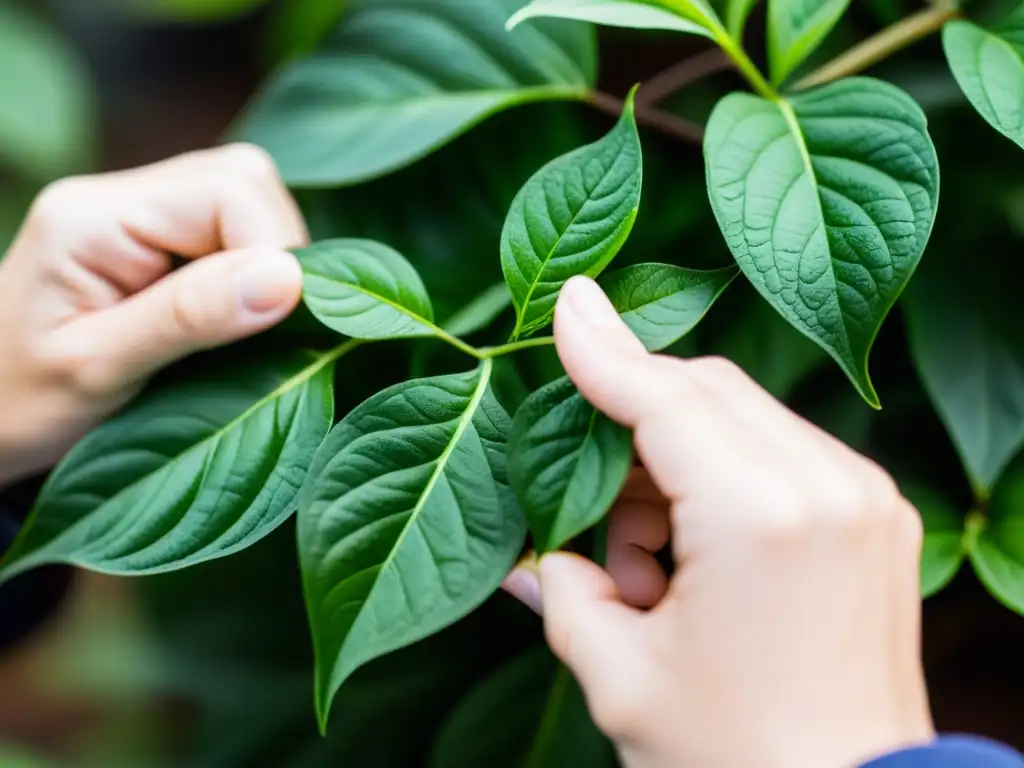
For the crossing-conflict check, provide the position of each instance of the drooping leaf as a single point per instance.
(826, 200)
(480, 312)
(46, 123)
(989, 68)
(661, 303)
(943, 551)
(796, 28)
(531, 713)
(736, 14)
(965, 343)
(195, 470)
(365, 290)
(567, 463)
(406, 522)
(692, 16)
(995, 543)
(394, 81)
(571, 218)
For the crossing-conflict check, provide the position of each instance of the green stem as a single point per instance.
(462, 346)
(881, 46)
(515, 346)
(743, 63)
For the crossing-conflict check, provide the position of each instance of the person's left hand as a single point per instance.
(90, 307)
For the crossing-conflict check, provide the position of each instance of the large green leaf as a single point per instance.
(796, 28)
(567, 463)
(943, 551)
(965, 341)
(46, 123)
(398, 79)
(530, 713)
(406, 522)
(691, 16)
(571, 218)
(661, 303)
(192, 471)
(989, 68)
(826, 200)
(995, 543)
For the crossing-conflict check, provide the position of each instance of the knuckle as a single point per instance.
(54, 202)
(78, 368)
(717, 368)
(618, 708)
(187, 312)
(252, 161)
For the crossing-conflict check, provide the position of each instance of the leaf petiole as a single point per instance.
(487, 353)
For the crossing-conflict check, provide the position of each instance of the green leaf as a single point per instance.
(989, 68)
(571, 218)
(662, 303)
(943, 551)
(691, 16)
(46, 124)
(479, 313)
(965, 341)
(192, 471)
(530, 713)
(397, 80)
(567, 463)
(826, 200)
(193, 10)
(796, 28)
(996, 545)
(736, 14)
(406, 523)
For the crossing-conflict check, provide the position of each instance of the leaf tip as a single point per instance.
(517, 18)
(629, 103)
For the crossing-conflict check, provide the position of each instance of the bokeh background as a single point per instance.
(157, 671)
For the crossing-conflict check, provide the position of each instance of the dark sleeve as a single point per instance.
(27, 601)
(953, 752)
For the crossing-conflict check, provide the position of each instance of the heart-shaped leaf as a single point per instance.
(826, 200)
(989, 68)
(192, 471)
(571, 218)
(567, 463)
(943, 551)
(692, 16)
(661, 303)
(395, 81)
(406, 522)
(796, 28)
(529, 712)
(995, 544)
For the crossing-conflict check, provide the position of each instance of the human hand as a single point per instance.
(89, 306)
(789, 634)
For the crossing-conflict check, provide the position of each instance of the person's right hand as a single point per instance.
(789, 635)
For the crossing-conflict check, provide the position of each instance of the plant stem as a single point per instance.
(882, 45)
(682, 74)
(515, 346)
(743, 63)
(668, 124)
(460, 345)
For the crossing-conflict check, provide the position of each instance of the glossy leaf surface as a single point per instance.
(796, 28)
(394, 81)
(571, 218)
(661, 303)
(406, 522)
(826, 201)
(190, 472)
(567, 463)
(691, 17)
(996, 544)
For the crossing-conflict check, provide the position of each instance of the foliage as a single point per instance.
(457, 164)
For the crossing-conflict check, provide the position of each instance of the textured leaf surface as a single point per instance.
(530, 713)
(996, 545)
(406, 522)
(396, 80)
(826, 201)
(796, 28)
(691, 17)
(571, 218)
(567, 463)
(943, 551)
(190, 472)
(966, 344)
(661, 303)
(365, 290)
(989, 68)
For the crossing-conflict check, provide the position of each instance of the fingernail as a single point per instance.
(587, 301)
(269, 282)
(524, 585)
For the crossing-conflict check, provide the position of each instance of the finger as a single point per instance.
(635, 532)
(208, 303)
(523, 583)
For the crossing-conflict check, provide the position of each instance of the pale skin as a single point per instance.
(789, 633)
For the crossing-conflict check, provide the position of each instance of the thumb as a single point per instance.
(210, 302)
(605, 360)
